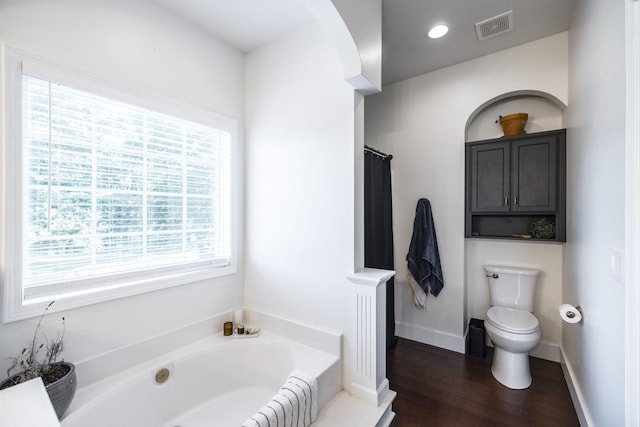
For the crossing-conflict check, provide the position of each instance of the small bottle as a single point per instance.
(228, 329)
(240, 330)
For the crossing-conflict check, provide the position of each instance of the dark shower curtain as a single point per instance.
(378, 227)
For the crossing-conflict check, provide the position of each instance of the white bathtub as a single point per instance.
(219, 381)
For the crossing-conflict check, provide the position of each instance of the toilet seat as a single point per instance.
(512, 320)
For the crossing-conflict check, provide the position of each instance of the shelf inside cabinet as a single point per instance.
(504, 226)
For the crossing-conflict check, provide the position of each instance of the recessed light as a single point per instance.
(437, 31)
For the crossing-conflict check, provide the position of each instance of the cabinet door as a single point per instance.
(489, 181)
(533, 174)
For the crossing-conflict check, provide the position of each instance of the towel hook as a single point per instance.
(492, 276)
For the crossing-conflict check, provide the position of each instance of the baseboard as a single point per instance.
(544, 350)
(547, 351)
(431, 337)
(574, 390)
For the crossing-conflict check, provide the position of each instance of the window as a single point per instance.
(111, 197)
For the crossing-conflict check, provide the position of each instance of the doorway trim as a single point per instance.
(632, 215)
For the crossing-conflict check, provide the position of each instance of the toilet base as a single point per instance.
(511, 369)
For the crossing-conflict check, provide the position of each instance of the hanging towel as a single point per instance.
(419, 296)
(423, 258)
(294, 405)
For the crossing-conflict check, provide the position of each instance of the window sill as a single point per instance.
(16, 308)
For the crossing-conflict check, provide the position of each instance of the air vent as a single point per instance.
(495, 26)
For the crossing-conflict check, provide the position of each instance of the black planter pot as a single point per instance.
(62, 391)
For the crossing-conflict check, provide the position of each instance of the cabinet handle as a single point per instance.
(506, 200)
(515, 200)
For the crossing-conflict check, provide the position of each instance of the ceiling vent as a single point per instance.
(495, 26)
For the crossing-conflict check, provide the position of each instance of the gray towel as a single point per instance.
(423, 259)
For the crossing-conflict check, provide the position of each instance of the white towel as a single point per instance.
(294, 405)
(419, 296)
(286, 394)
(281, 401)
(308, 386)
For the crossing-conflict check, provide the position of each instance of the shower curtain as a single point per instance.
(378, 227)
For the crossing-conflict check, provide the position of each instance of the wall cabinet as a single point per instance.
(512, 181)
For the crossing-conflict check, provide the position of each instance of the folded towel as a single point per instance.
(282, 411)
(294, 405)
(260, 419)
(287, 405)
(276, 413)
(305, 386)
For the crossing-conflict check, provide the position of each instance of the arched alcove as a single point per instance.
(545, 113)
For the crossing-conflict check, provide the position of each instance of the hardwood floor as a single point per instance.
(437, 387)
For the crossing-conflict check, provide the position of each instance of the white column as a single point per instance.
(370, 313)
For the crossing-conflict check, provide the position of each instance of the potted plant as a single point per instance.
(41, 358)
(513, 124)
(543, 228)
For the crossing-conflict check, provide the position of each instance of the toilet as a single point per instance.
(510, 324)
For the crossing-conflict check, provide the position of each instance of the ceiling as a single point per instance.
(406, 51)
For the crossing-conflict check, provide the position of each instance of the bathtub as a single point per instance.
(219, 381)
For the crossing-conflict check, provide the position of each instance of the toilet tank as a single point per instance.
(512, 287)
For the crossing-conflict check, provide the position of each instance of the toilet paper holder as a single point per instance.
(571, 314)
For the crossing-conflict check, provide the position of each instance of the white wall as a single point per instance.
(138, 45)
(544, 114)
(421, 121)
(300, 182)
(594, 349)
(546, 257)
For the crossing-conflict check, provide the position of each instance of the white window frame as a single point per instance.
(14, 306)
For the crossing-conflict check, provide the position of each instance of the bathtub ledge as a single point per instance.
(345, 410)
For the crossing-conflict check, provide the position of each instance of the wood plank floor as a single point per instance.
(437, 387)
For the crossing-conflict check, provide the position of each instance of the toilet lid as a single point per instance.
(512, 320)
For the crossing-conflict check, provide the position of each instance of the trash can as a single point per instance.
(476, 335)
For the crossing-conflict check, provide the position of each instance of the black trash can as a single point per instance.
(476, 345)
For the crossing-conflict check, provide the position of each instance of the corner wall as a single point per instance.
(421, 121)
(142, 46)
(300, 190)
(594, 349)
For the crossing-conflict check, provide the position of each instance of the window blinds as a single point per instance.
(111, 189)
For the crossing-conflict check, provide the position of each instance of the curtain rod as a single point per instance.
(378, 153)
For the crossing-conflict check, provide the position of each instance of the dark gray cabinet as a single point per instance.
(512, 181)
